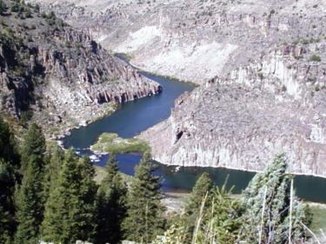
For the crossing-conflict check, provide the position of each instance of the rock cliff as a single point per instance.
(270, 106)
(194, 40)
(261, 66)
(58, 74)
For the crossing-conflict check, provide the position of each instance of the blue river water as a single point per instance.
(134, 117)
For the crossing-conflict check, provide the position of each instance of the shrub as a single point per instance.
(315, 58)
(3, 7)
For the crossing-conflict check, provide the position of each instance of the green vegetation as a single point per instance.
(30, 199)
(9, 165)
(112, 143)
(269, 203)
(319, 217)
(51, 195)
(70, 209)
(3, 7)
(203, 186)
(267, 212)
(101, 172)
(111, 205)
(144, 219)
(315, 58)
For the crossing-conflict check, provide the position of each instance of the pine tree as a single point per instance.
(217, 221)
(8, 150)
(30, 197)
(203, 188)
(111, 205)
(34, 144)
(54, 159)
(70, 208)
(9, 165)
(204, 185)
(270, 191)
(144, 219)
(7, 206)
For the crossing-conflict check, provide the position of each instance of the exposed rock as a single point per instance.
(60, 74)
(194, 40)
(242, 122)
(261, 66)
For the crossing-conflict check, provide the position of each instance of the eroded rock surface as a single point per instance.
(60, 74)
(261, 66)
(194, 40)
(277, 105)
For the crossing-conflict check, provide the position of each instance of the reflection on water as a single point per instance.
(137, 116)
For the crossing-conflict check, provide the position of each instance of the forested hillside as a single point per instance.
(50, 195)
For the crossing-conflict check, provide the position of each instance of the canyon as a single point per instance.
(59, 76)
(260, 66)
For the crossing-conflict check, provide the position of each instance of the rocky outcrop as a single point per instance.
(260, 64)
(273, 105)
(194, 40)
(59, 74)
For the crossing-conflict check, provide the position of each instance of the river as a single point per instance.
(134, 117)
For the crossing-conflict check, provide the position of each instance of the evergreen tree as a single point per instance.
(204, 185)
(203, 188)
(7, 206)
(54, 158)
(70, 208)
(217, 221)
(8, 151)
(9, 164)
(111, 205)
(34, 144)
(30, 197)
(270, 191)
(144, 219)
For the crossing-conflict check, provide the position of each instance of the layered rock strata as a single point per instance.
(273, 105)
(260, 64)
(61, 75)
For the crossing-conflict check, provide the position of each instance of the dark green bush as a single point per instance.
(315, 58)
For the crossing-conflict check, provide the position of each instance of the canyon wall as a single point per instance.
(272, 106)
(260, 66)
(59, 76)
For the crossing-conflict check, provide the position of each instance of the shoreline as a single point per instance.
(66, 131)
(238, 169)
(125, 57)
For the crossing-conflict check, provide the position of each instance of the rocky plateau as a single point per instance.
(261, 67)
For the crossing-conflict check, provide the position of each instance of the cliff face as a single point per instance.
(59, 74)
(260, 64)
(273, 105)
(194, 40)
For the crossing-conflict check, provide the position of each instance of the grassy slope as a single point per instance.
(112, 143)
(319, 217)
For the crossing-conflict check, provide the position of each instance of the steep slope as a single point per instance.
(271, 106)
(58, 75)
(194, 40)
(261, 64)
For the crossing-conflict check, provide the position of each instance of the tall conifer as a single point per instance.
(30, 197)
(70, 209)
(270, 191)
(144, 219)
(111, 205)
(204, 185)
(9, 165)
